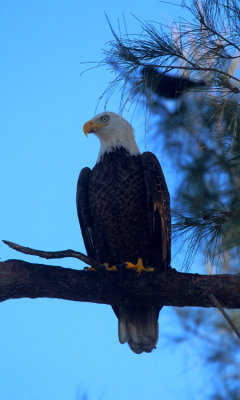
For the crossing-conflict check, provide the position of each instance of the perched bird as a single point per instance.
(124, 213)
(167, 86)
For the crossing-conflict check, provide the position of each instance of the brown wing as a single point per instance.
(84, 212)
(159, 216)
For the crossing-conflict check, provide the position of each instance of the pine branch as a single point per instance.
(55, 254)
(22, 279)
(225, 315)
(209, 229)
(19, 279)
(205, 46)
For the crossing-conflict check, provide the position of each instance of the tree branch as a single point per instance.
(225, 315)
(55, 254)
(20, 279)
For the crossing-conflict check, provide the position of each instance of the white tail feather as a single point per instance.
(139, 327)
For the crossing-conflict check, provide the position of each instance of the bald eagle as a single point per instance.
(123, 208)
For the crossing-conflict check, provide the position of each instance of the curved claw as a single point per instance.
(89, 269)
(104, 266)
(139, 267)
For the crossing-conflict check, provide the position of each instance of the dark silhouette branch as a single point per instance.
(55, 254)
(20, 279)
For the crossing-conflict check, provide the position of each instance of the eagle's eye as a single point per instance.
(105, 118)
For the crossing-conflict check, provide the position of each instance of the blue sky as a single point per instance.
(53, 349)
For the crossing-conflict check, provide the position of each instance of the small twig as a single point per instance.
(55, 254)
(225, 315)
(208, 28)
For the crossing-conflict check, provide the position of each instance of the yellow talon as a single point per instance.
(113, 268)
(139, 267)
(106, 265)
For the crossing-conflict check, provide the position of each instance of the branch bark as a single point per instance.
(55, 254)
(20, 279)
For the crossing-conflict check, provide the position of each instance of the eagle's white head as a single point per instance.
(113, 132)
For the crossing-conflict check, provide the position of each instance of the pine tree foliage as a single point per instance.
(200, 131)
(218, 350)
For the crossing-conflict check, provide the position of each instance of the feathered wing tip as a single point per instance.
(139, 327)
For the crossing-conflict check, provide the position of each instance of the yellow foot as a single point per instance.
(106, 265)
(112, 268)
(138, 267)
(90, 269)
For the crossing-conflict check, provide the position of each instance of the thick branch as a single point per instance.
(20, 279)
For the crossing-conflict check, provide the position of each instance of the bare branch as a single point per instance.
(20, 279)
(55, 254)
(225, 315)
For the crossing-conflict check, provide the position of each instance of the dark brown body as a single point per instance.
(119, 211)
(124, 210)
(124, 213)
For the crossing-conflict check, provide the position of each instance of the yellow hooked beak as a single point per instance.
(92, 127)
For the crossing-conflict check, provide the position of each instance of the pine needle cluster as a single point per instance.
(200, 128)
(187, 75)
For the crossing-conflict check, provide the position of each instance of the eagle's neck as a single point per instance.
(110, 143)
